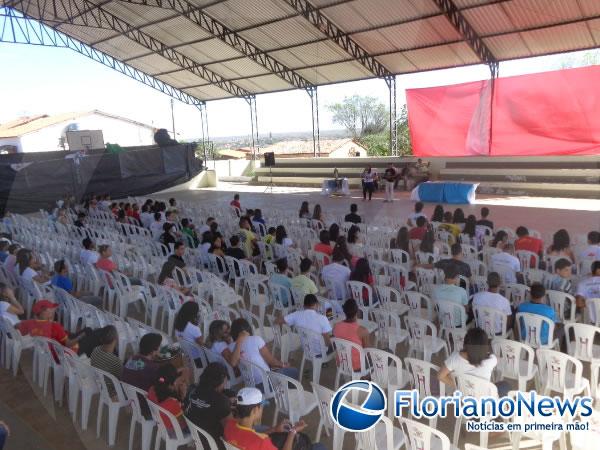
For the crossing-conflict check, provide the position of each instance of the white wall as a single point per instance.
(344, 151)
(115, 131)
(229, 167)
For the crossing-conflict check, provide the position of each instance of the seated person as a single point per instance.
(281, 278)
(353, 217)
(484, 221)
(589, 287)
(351, 330)
(10, 308)
(324, 246)
(592, 251)
(88, 255)
(169, 236)
(362, 272)
(44, 325)
(234, 249)
(4, 250)
(303, 281)
(165, 278)
(141, 370)
(219, 341)
(476, 358)
(247, 237)
(236, 202)
(449, 225)
(166, 392)
(412, 219)
(188, 229)
(271, 234)
(561, 280)
(528, 243)
(255, 350)
(240, 432)
(309, 318)
(538, 305)
(456, 260)
(208, 404)
(61, 280)
(187, 329)
(419, 231)
(29, 267)
(493, 299)
(338, 275)
(103, 356)
(450, 291)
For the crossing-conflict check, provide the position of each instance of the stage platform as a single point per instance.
(545, 176)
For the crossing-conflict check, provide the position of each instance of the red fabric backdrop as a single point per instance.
(550, 113)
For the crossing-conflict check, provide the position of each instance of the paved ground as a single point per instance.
(38, 424)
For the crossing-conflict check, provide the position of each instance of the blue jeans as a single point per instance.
(3, 436)
(291, 372)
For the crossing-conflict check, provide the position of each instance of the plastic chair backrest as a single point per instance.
(423, 373)
(556, 369)
(344, 350)
(582, 344)
(421, 436)
(382, 365)
(201, 438)
(533, 324)
(510, 357)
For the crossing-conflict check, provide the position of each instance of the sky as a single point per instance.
(45, 80)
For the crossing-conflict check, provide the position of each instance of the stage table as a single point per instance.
(445, 192)
(335, 187)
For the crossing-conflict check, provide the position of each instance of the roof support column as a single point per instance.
(313, 93)
(251, 100)
(494, 67)
(391, 84)
(205, 138)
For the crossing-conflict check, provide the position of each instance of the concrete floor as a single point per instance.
(36, 422)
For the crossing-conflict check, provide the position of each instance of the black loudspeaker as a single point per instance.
(269, 159)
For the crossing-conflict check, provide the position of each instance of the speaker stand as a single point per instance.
(269, 187)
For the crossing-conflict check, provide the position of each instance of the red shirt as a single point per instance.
(530, 244)
(44, 328)
(106, 264)
(172, 405)
(417, 233)
(246, 438)
(236, 203)
(324, 248)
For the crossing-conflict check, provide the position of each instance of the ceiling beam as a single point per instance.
(86, 13)
(219, 30)
(466, 31)
(335, 34)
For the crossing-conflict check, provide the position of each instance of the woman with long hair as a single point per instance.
(500, 240)
(353, 235)
(282, 238)
(401, 241)
(318, 213)
(256, 351)
(362, 272)
(304, 212)
(186, 326)
(341, 252)
(168, 237)
(165, 277)
(219, 339)
(334, 232)
(475, 358)
(561, 245)
(351, 330)
(166, 392)
(28, 267)
(438, 214)
(216, 246)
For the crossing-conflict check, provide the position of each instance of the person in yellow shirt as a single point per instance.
(447, 225)
(303, 282)
(247, 237)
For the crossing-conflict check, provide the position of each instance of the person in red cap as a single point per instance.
(44, 325)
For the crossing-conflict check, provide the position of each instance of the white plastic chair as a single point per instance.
(290, 398)
(174, 438)
(258, 293)
(314, 350)
(559, 372)
(474, 386)
(386, 368)
(400, 257)
(423, 378)
(455, 338)
(113, 397)
(201, 438)
(533, 324)
(511, 363)
(390, 299)
(493, 321)
(420, 305)
(13, 343)
(423, 338)
(357, 290)
(323, 397)
(582, 345)
(526, 257)
(383, 436)
(592, 309)
(420, 436)
(389, 328)
(516, 293)
(344, 350)
(561, 302)
(257, 377)
(136, 398)
(82, 380)
(450, 315)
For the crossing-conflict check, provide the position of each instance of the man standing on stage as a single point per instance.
(390, 178)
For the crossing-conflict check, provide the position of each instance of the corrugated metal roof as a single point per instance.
(403, 36)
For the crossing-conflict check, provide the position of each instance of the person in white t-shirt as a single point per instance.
(186, 326)
(219, 339)
(309, 318)
(89, 255)
(589, 287)
(28, 267)
(476, 358)
(412, 219)
(592, 251)
(493, 299)
(503, 262)
(338, 275)
(10, 308)
(255, 350)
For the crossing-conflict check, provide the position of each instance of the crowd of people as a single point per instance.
(336, 258)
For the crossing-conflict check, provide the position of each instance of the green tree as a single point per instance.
(403, 132)
(360, 115)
